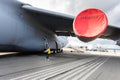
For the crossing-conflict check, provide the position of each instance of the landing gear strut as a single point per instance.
(57, 50)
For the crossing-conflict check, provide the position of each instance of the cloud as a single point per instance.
(73, 7)
(114, 15)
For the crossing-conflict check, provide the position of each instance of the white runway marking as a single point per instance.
(76, 69)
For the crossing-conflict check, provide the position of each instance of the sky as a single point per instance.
(73, 7)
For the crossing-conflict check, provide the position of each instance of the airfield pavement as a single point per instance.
(72, 64)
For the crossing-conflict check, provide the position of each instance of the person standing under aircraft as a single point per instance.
(48, 53)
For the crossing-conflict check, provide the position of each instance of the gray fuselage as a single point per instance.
(19, 31)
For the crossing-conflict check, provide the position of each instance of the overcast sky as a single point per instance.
(73, 7)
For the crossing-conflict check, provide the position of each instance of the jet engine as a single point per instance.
(90, 24)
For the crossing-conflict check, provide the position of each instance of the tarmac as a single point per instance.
(69, 65)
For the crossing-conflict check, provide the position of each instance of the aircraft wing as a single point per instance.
(112, 32)
(62, 24)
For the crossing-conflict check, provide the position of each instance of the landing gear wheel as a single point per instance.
(61, 50)
(54, 51)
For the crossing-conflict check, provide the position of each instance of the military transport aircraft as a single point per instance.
(27, 28)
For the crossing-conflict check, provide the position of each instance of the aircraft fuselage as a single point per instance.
(20, 32)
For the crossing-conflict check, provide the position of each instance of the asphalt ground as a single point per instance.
(62, 66)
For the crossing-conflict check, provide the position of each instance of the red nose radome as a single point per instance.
(90, 23)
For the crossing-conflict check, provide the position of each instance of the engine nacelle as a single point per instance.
(90, 24)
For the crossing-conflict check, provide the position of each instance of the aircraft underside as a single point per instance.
(21, 32)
